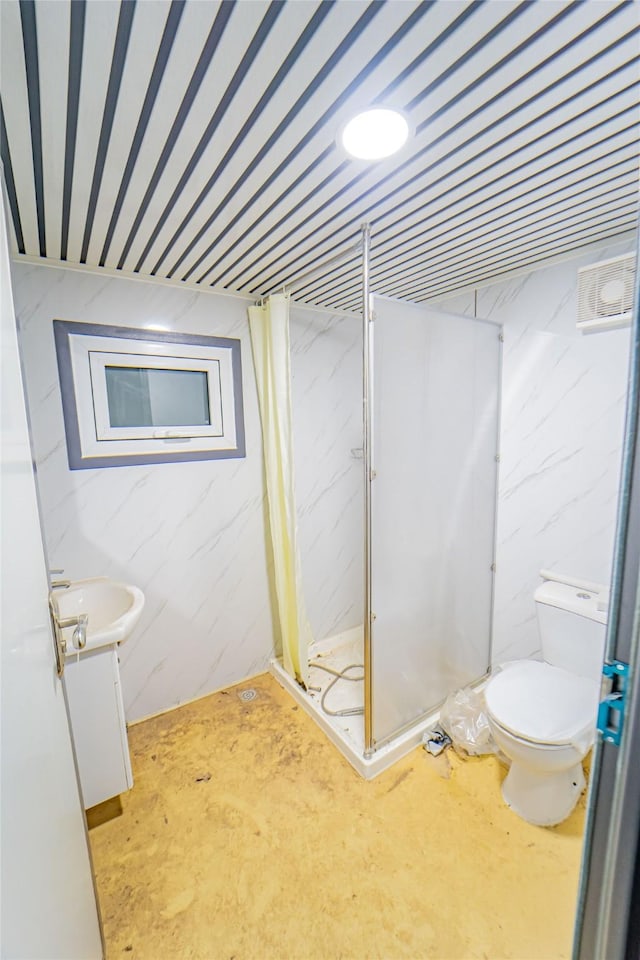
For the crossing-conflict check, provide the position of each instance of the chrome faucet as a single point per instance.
(79, 636)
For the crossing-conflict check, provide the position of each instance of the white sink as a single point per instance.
(113, 610)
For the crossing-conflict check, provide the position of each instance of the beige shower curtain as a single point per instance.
(269, 326)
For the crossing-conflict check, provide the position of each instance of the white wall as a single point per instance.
(563, 406)
(192, 535)
(327, 425)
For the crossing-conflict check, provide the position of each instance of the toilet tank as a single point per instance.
(572, 628)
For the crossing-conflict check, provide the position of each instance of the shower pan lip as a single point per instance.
(339, 732)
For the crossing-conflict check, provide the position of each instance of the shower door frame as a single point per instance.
(367, 407)
(368, 383)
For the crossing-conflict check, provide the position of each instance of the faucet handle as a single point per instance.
(79, 636)
(80, 622)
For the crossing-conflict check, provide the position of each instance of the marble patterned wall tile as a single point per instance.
(191, 535)
(327, 413)
(563, 405)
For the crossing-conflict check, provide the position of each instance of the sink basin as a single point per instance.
(113, 609)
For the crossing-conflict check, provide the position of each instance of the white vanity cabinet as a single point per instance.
(98, 723)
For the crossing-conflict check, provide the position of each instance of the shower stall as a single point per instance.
(431, 400)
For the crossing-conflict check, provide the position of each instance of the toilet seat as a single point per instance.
(543, 704)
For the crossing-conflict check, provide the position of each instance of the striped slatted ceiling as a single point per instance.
(197, 140)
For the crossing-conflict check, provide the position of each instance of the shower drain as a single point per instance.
(247, 695)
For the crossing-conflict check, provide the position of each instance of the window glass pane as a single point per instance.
(149, 397)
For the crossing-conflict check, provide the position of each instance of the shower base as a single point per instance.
(347, 733)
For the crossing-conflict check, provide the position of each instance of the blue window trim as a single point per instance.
(63, 329)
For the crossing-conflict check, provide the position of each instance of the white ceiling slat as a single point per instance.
(489, 169)
(437, 20)
(385, 23)
(471, 159)
(493, 225)
(526, 129)
(476, 249)
(53, 57)
(148, 24)
(545, 243)
(339, 295)
(455, 236)
(100, 33)
(457, 280)
(194, 27)
(281, 39)
(370, 91)
(450, 216)
(15, 104)
(590, 234)
(447, 208)
(543, 13)
(226, 58)
(465, 171)
(253, 79)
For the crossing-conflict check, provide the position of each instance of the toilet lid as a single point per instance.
(542, 703)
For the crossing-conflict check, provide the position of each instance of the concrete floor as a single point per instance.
(248, 837)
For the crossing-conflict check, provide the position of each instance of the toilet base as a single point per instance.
(543, 799)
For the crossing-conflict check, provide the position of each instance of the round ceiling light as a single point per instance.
(375, 134)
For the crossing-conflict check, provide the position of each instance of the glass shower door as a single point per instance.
(436, 382)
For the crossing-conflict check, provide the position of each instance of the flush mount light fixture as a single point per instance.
(375, 134)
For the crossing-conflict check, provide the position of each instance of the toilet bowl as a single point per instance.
(542, 714)
(543, 719)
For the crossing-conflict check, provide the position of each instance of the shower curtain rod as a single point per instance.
(291, 287)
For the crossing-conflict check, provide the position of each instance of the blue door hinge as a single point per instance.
(612, 709)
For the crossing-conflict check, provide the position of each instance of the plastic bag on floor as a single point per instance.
(464, 717)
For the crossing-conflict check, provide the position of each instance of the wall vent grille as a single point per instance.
(605, 294)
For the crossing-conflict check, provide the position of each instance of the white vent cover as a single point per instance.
(605, 294)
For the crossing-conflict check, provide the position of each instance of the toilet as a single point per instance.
(542, 714)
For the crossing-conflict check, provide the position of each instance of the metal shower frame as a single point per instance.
(362, 246)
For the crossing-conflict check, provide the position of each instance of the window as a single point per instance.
(135, 396)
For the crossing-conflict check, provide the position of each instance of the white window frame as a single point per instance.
(98, 362)
(85, 350)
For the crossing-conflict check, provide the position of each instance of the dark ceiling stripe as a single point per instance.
(369, 211)
(291, 211)
(211, 45)
(12, 197)
(337, 55)
(274, 10)
(123, 34)
(470, 88)
(466, 281)
(457, 280)
(489, 234)
(341, 50)
(434, 269)
(498, 193)
(32, 68)
(539, 254)
(168, 36)
(291, 58)
(381, 98)
(388, 250)
(523, 167)
(605, 143)
(76, 44)
(400, 257)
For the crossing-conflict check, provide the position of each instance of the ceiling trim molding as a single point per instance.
(191, 287)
